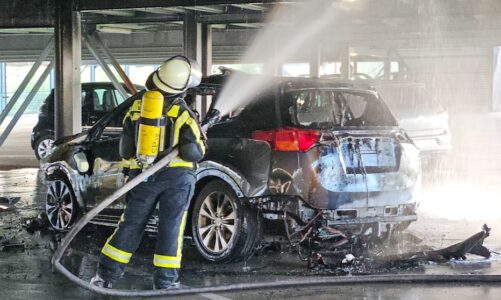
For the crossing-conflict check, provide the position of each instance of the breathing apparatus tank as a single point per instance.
(151, 123)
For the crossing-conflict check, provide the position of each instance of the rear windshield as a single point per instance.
(331, 108)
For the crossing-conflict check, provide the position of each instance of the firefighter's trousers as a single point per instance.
(172, 189)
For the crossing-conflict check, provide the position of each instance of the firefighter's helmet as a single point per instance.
(175, 76)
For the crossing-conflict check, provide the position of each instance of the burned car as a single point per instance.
(307, 161)
(422, 117)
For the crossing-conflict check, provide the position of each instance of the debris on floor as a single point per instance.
(11, 244)
(40, 222)
(388, 258)
(7, 203)
(472, 245)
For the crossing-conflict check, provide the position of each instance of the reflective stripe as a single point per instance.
(173, 111)
(134, 111)
(116, 254)
(166, 261)
(135, 167)
(136, 106)
(131, 164)
(194, 127)
(196, 131)
(185, 118)
(177, 126)
(179, 162)
(135, 116)
(180, 235)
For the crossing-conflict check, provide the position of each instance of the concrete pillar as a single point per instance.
(192, 41)
(206, 36)
(387, 66)
(52, 79)
(92, 76)
(3, 86)
(345, 63)
(315, 61)
(68, 99)
(274, 66)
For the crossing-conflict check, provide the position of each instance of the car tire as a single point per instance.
(43, 146)
(61, 205)
(223, 228)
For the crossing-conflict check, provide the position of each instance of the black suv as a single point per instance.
(98, 99)
(307, 161)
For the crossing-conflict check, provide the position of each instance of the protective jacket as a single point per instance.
(181, 130)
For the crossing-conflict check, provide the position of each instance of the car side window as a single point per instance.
(119, 98)
(112, 128)
(104, 100)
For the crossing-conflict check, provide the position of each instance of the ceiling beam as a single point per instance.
(121, 4)
(111, 12)
(27, 13)
(162, 10)
(206, 9)
(146, 18)
(231, 18)
(255, 7)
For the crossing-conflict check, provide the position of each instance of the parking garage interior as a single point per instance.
(435, 64)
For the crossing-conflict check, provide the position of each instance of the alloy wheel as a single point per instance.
(216, 222)
(45, 147)
(60, 205)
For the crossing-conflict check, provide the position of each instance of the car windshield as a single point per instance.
(331, 108)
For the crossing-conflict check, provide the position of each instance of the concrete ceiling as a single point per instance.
(383, 24)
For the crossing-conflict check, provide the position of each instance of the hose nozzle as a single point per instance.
(210, 119)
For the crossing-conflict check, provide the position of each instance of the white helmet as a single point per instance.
(176, 75)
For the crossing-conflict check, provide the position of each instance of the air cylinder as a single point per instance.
(150, 124)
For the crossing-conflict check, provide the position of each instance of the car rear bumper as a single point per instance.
(372, 220)
(372, 214)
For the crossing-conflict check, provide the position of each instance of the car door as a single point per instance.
(103, 151)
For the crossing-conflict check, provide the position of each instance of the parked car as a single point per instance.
(425, 121)
(307, 161)
(98, 99)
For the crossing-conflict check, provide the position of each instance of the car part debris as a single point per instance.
(11, 245)
(40, 222)
(348, 259)
(315, 261)
(7, 203)
(472, 245)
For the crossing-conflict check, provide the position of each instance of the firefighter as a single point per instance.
(172, 187)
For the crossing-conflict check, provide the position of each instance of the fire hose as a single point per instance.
(210, 120)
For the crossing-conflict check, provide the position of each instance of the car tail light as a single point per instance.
(288, 139)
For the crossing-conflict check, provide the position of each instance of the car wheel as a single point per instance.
(44, 146)
(223, 228)
(60, 205)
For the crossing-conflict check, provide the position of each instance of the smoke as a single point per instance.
(431, 50)
(290, 31)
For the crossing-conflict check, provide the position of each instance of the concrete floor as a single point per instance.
(25, 262)
(455, 202)
(16, 152)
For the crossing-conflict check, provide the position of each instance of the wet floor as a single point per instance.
(25, 270)
(456, 201)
